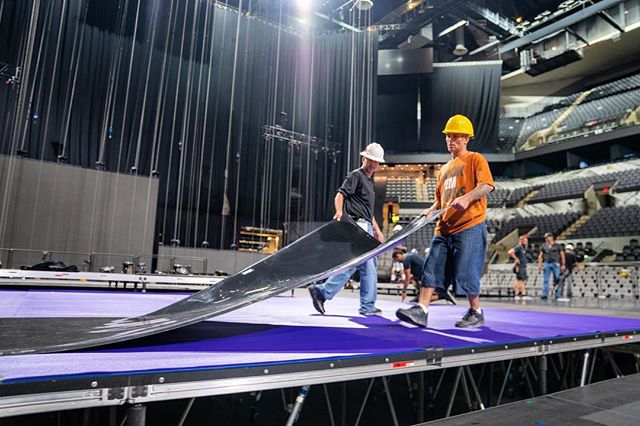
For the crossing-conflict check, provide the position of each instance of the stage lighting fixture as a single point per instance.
(363, 4)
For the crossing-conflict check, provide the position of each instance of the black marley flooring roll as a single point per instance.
(334, 247)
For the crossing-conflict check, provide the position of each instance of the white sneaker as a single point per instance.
(526, 298)
(517, 298)
(563, 299)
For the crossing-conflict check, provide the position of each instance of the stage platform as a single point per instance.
(613, 402)
(277, 343)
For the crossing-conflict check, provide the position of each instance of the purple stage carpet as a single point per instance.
(280, 330)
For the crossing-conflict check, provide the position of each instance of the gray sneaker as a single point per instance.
(471, 319)
(375, 311)
(317, 298)
(448, 296)
(413, 315)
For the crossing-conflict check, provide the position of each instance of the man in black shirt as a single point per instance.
(355, 198)
(413, 265)
(566, 279)
(551, 260)
(519, 256)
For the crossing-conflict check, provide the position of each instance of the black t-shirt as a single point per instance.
(551, 253)
(521, 254)
(569, 260)
(358, 192)
(415, 262)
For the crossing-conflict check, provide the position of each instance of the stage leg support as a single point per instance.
(329, 407)
(297, 407)
(585, 366)
(542, 374)
(504, 382)
(137, 415)
(186, 411)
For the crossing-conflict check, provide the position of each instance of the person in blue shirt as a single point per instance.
(413, 265)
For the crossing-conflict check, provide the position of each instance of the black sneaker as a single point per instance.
(317, 298)
(414, 315)
(544, 298)
(376, 311)
(449, 297)
(471, 319)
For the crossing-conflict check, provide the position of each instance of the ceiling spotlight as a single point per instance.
(460, 50)
(363, 4)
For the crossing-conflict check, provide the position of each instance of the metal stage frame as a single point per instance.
(64, 393)
(19, 277)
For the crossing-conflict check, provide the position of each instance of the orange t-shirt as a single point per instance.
(458, 177)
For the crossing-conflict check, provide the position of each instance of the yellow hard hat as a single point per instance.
(459, 124)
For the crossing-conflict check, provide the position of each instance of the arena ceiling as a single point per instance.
(490, 30)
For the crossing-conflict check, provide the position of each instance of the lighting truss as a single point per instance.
(10, 74)
(315, 144)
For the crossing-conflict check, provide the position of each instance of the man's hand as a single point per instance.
(562, 268)
(428, 212)
(338, 216)
(461, 203)
(379, 236)
(539, 268)
(517, 261)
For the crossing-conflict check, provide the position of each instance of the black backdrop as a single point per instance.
(471, 89)
(182, 89)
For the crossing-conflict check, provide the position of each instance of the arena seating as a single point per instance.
(592, 281)
(403, 189)
(555, 223)
(516, 195)
(629, 180)
(497, 197)
(600, 110)
(508, 131)
(611, 221)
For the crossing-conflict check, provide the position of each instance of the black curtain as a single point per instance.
(181, 90)
(471, 89)
(397, 125)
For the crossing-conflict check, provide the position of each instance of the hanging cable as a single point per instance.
(30, 116)
(225, 210)
(308, 201)
(268, 163)
(157, 125)
(77, 51)
(191, 136)
(106, 131)
(162, 93)
(184, 131)
(215, 121)
(134, 170)
(40, 82)
(173, 127)
(207, 36)
(240, 136)
(136, 163)
(74, 65)
(12, 161)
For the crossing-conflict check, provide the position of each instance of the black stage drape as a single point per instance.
(468, 88)
(181, 90)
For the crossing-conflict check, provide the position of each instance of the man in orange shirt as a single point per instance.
(461, 233)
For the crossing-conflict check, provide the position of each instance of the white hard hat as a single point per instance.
(374, 151)
(397, 228)
(569, 246)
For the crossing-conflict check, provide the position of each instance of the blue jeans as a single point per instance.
(464, 253)
(368, 281)
(548, 268)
